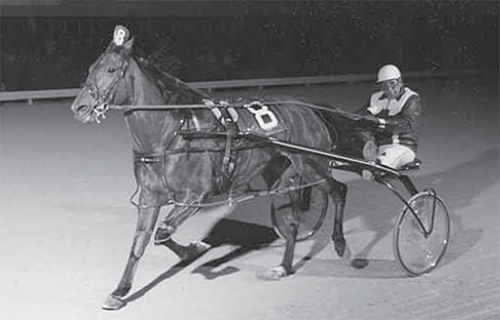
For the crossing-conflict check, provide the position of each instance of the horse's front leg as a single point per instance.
(165, 231)
(145, 224)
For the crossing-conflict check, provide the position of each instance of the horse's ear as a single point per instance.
(120, 35)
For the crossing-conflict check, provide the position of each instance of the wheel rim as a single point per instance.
(419, 251)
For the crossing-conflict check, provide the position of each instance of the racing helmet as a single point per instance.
(388, 72)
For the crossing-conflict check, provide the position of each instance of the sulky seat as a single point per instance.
(414, 165)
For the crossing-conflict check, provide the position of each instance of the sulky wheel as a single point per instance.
(421, 234)
(313, 207)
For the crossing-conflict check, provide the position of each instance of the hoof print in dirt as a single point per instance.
(359, 263)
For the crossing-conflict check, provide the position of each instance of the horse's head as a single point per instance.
(106, 76)
(116, 78)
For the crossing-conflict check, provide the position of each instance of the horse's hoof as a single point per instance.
(195, 250)
(163, 235)
(113, 303)
(340, 246)
(273, 274)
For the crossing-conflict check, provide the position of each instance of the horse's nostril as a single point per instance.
(83, 108)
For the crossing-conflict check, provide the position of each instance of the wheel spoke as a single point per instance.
(313, 208)
(421, 234)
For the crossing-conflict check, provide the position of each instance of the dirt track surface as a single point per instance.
(66, 226)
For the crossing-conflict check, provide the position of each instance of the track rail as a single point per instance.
(32, 95)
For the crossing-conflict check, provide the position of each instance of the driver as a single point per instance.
(392, 119)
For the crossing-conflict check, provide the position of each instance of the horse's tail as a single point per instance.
(331, 124)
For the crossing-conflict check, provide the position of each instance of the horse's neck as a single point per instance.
(141, 89)
(152, 130)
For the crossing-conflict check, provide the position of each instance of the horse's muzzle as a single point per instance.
(82, 112)
(83, 109)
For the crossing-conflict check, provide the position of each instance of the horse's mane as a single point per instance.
(174, 90)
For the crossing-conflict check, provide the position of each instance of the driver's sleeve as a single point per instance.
(405, 121)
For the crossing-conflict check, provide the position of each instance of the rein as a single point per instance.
(218, 105)
(224, 104)
(230, 200)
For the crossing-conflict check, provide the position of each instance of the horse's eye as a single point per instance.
(111, 69)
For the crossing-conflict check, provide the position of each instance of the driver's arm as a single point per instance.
(407, 120)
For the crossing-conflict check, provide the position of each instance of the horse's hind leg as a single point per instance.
(145, 224)
(338, 193)
(290, 228)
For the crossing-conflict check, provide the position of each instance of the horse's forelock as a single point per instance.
(123, 52)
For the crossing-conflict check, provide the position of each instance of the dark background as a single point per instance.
(50, 44)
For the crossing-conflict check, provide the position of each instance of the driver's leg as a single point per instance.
(395, 155)
(391, 155)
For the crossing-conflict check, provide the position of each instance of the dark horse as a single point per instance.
(170, 169)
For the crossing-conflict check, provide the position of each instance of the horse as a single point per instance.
(171, 168)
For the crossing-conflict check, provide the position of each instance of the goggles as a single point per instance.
(389, 84)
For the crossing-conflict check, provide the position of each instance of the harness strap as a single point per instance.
(228, 119)
(228, 164)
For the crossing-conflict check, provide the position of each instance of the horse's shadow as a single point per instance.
(455, 186)
(247, 237)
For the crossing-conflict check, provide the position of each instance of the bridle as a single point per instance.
(104, 97)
